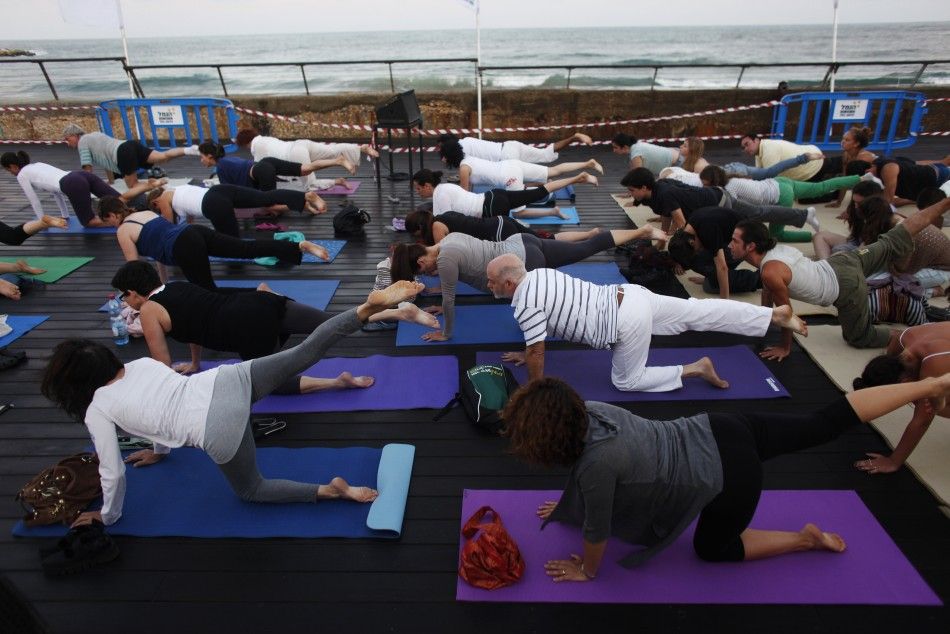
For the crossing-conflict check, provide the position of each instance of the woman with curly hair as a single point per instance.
(645, 481)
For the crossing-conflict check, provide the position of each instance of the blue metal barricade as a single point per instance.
(822, 118)
(162, 123)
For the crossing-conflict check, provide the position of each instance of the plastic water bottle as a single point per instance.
(120, 334)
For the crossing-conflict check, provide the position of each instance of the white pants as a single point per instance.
(533, 173)
(306, 151)
(643, 314)
(527, 153)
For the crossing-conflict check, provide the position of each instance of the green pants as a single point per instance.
(852, 268)
(790, 190)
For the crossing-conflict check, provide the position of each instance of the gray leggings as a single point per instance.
(550, 254)
(228, 437)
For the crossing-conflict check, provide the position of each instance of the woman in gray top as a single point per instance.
(644, 481)
(461, 257)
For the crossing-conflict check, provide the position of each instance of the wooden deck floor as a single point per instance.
(278, 585)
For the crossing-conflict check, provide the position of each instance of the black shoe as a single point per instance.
(935, 313)
(82, 548)
(10, 359)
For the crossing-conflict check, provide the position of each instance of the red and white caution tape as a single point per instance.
(438, 131)
(29, 142)
(44, 108)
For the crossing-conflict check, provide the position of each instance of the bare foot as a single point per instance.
(394, 294)
(348, 382)
(561, 214)
(412, 313)
(784, 317)
(369, 150)
(341, 489)
(583, 138)
(265, 288)
(704, 369)
(315, 249)
(584, 177)
(314, 204)
(341, 182)
(545, 509)
(594, 165)
(821, 540)
(593, 232)
(50, 221)
(9, 290)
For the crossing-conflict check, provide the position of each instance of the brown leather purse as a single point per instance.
(61, 492)
(490, 557)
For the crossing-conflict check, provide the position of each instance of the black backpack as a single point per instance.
(349, 221)
(483, 392)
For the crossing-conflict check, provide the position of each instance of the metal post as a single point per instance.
(48, 81)
(569, 69)
(221, 77)
(304, 75)
(392, 83)
(409, 153)
(741, 73)
(920, 72)
(656, 69)
(478, 62)
(379, 183)
(834, 48)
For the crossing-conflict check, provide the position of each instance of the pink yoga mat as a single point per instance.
(339, 190)
(871, 571)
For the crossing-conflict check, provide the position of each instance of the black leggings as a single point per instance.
(264, 173)
(498, 202)
(219, 203)
(744, 441)
(12, 235)
(298, 319)
(197, 242)
(550, 254)
(77, 186)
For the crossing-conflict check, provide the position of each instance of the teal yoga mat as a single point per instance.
(573, 218)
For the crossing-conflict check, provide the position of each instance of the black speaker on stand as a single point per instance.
(400, 111)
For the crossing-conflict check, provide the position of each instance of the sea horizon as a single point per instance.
(559, 47)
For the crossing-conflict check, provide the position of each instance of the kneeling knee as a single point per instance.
(719, 552)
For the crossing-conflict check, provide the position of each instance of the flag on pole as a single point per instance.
(104, 13)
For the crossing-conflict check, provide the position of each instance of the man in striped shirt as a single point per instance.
(621, 317)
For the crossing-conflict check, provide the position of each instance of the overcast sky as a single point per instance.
(40, 19)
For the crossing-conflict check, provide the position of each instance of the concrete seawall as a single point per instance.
(503, 108)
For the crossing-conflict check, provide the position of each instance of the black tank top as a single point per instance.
(229, 320)
(912, 178)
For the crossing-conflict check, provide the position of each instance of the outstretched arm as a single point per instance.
(775, 290)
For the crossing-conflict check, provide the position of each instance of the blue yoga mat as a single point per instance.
(492, 323)
(186, 495)
(596, 272)
(396, 385)
(76, 227)
(315, 293)
(588, 372)
(573, 218)
(333, 246)
(21, 325)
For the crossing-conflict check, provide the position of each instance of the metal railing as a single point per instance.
(479, 71)
(832, 68)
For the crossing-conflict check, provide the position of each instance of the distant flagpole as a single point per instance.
(125, 44)
(101, 13)
(834, 47)
(478, 64)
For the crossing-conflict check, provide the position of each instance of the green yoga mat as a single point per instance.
(56, 268)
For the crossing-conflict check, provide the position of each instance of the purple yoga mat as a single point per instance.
(871, 571)
(398, 385)
(588, 372)
(339, 190)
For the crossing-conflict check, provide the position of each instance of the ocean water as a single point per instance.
(524, 47)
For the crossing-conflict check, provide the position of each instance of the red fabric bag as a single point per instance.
(490, 557)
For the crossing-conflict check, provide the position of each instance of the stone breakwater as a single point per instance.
(501, 108)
